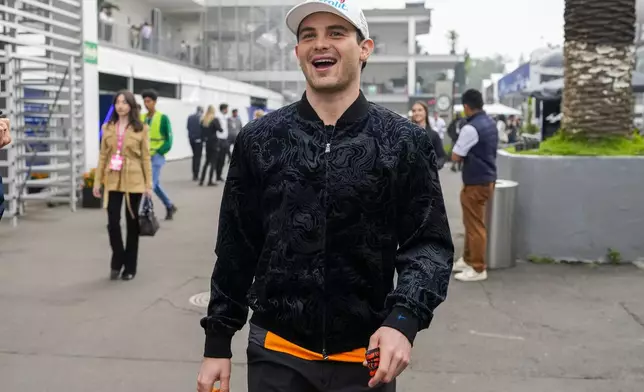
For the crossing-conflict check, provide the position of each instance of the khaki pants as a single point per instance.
(474, 200)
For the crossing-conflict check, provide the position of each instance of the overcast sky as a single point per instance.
(486, 27)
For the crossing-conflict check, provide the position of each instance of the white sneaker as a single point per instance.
(469, 275)
(460, 265)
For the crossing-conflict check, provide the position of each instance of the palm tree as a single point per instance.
(452, 37)
(599, 61)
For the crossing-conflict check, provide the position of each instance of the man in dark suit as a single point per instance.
(196, 141)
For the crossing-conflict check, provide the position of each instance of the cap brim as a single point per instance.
(298, 13)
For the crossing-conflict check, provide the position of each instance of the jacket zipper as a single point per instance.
(327, 150)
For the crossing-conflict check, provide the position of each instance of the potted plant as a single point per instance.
(89, 201)
(36, 176)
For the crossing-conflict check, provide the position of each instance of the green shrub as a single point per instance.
(573, 145)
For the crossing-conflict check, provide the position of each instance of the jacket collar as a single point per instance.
(473, 116)
(358, 109)
(112, 126)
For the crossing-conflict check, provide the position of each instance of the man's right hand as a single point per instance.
(213, 370)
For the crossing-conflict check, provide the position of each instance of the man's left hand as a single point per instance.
(395, 354)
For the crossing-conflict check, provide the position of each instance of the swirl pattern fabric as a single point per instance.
(311, 239)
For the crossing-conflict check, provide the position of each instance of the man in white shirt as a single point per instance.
(146, 36)
(222, 148)
(438, 124)
(476, 147)
(106, 23)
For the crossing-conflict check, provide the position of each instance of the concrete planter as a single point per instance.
(577, 208)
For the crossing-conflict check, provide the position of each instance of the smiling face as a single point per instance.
(418, 114)
(329, 52)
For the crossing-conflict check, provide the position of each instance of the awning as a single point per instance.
(552, 90)
(494, 109)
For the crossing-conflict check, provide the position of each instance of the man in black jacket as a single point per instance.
(325, 199)
(196, 140)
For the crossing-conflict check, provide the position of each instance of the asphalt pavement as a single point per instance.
(64, 327)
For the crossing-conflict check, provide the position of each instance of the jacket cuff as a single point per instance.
(218, 346)
(404, 321)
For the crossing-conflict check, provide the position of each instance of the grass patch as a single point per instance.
(541, 260)
(570, 145)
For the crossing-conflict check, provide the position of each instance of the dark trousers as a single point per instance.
(272, 371)
(123, 256)
(197, 151)
(222, 150)
(211, 161)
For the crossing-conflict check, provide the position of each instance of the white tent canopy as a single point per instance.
(494, 109)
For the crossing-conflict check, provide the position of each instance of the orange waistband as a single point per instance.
(276, 343)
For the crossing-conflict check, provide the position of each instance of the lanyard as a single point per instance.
(120, 136)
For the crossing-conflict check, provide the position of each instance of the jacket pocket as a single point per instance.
(133, 144)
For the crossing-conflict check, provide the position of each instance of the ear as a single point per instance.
(366, 48)
(297, 58)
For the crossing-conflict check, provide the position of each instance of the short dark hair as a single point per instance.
(472, 98)
(235, 110)
(152, 94)
(223, 107)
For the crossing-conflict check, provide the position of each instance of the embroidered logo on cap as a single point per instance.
(339, 4)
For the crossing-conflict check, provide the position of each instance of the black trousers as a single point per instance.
(272, 371)
(123, 257)
(197, 151)
(223, 149)
(211, 161)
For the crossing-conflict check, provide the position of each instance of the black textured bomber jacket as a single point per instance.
(315, 219)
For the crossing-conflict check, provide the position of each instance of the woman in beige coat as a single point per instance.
(125, 171)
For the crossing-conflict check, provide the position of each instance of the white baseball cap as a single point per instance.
(346, 9)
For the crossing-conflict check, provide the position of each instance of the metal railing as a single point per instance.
(134, 38)
(40, 67)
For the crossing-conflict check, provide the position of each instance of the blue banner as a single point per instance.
(514, 82)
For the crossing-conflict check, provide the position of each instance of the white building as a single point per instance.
(247, 40)
(59, 79)
(252, 44)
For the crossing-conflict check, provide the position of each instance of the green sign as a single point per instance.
(90, 52)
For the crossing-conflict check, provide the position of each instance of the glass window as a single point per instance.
(111, 83)
(167, 90)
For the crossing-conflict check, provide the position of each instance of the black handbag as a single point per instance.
(148, 223)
